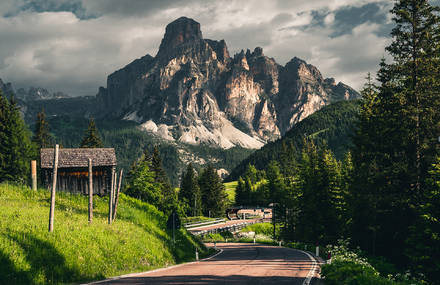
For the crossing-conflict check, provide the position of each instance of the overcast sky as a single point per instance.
(72, 45)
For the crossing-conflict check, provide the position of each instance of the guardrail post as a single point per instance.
(197, 255)
(317, 251)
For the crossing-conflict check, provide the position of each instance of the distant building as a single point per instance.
(73, 169)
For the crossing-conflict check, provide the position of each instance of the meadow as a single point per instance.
(77, 251)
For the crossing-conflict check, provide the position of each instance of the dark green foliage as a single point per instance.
(251, 189)
(213, 193)
(140, 182)
(322, 201)
(169, 196)
(148, 182)
(396, 143)
(425, 234)
(239, 192)
(189, 193)
(91, 137)
(348, 272)
(42, 138)
(16, 148)
(331, 126)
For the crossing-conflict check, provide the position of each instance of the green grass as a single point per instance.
(197, 219)
(76, 251)
(260, 229)
(230, 190)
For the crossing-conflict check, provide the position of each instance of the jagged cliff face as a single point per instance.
(193, 91)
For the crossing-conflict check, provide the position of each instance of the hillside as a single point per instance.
(129, 142)
(332, 125)
(76, 251)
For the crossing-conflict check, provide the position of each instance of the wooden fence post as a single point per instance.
(54, 186)
(90, 191)
(114, 191)
(117, 194)
(34, 174)
(110, 198)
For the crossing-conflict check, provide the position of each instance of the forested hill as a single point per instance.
(331, 125)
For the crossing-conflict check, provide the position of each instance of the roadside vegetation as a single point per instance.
(349, 267)
(383, 190)
(76, 251)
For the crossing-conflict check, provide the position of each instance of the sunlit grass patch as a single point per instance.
(78, 251)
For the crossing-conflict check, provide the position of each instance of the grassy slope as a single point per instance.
(230, 190)
(77, 251)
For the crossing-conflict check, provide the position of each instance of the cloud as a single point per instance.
(72, 46)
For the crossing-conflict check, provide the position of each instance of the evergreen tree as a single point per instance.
(213, 193)
(395, 144)
(251, 173)
(91, 138)
(276, 191)
(168, 201)
(140, 182)
(42, 137)
(247, 193)
(16, 149)
(321, 201)
(239, 192)
(425, 234)
(189, 192)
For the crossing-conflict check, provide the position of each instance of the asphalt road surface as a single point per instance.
(238, 263)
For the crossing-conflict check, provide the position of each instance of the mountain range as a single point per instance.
(30, 94)
(193, 99)
(193, 91)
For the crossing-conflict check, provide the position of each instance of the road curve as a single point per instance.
(238, 264)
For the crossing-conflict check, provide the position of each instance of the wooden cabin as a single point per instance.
(73, 171)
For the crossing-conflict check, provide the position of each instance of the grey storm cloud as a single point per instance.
(72, 45)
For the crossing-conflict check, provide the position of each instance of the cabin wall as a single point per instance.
(76, 180)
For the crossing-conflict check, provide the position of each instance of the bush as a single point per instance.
(347, 267)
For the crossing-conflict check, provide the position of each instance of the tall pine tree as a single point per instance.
(395, 144)
(42, 137)
(16, 148)
(213, 193)
(91, 137)
(189, 193)
(168, 201)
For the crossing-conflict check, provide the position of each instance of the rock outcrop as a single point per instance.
(194, 92)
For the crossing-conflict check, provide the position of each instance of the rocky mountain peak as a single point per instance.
(304, 70)
(194, 92)
(181, 31)
(258, 51)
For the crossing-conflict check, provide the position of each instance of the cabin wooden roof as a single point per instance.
(78, 157)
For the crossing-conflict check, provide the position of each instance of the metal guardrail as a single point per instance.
(189, 225)
(231, 228)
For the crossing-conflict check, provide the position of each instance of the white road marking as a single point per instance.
(312, 270)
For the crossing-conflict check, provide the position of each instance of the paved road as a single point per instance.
(238, 264)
